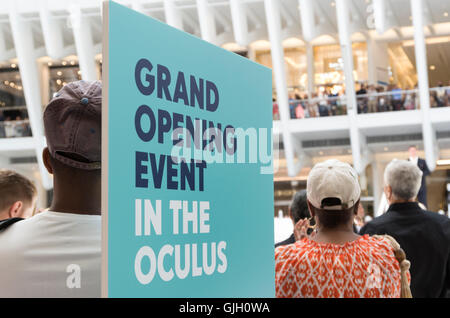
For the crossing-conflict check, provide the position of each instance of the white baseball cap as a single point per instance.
(333, 179)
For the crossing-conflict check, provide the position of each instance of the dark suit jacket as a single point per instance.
(425, 238)
(422, 195)
(289, 240)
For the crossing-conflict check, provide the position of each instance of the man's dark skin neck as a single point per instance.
(74, 190)
(76, 197)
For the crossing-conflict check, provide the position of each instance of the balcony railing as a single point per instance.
(318, 106)
(15, 128)
(371, 102)
(397, 100)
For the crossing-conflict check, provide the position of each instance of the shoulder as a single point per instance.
(287, 241)
(436, 216)
(16, 232)
(282, 250)
(438, 220)
(285, 252)
(13, 225)
(380, 241)
(5, 224)
(375, 224)
(14, 240)
(384, 218)
(383, 248)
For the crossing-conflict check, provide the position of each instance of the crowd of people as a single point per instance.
(369, 98)
(321, 104)
(14, 123)
(404, 253)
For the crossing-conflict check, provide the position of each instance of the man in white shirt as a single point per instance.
(57, 253)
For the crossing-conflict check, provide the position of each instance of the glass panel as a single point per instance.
(15, 128)
(62, 73)
(13, 111)
(329, 67)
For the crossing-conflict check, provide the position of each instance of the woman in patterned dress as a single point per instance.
(335, 262)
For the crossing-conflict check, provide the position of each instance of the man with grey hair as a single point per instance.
(423, 235)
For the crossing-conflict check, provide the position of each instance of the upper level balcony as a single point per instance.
(394, 112)
(385, 125)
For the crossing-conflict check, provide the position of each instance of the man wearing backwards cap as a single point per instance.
(335, 262)
(57, 253)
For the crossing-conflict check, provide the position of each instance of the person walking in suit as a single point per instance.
(422, 164)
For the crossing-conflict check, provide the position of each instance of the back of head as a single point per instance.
(15, 187)
(404, 177)
(72, 122)
(333, 191)
(299, 207)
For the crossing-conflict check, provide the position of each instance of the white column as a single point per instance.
(306, 8)
(342, 14)
(51, 32)
(24, 44)
(429, 138)
(274, 28)
(379, 12)
(239, 18)
(173, 16)
(84, 44)
(310, 67)
(377, 186)
(136, 5)
(206, 21)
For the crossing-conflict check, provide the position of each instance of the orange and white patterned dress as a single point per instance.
(365, 268)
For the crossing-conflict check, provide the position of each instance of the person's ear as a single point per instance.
(388, 192)
(15, 209)
(46, 160)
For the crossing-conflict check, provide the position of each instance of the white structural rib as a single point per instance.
(173, 14)
(52, 32)
(26, 54)
(342, 14)
(274, 28)
(429, 135)
(84, 43)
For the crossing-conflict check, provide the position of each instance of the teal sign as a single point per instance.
(187, 177)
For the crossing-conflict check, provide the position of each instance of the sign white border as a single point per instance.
(105, 83)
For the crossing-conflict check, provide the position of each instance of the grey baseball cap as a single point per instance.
(72, 122)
